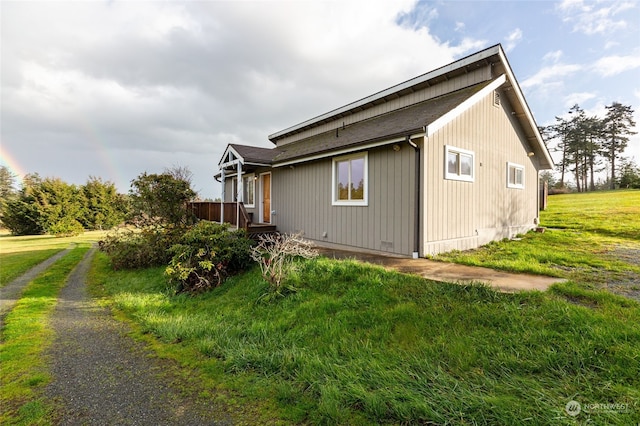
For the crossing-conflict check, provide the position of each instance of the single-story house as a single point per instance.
(447, 160)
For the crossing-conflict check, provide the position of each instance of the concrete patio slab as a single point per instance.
(449, 272)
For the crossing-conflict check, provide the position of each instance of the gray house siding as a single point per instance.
(451, 106)
(302, 201)
(462, 215)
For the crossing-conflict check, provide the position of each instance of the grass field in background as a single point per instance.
(19, 254)
(360, 345)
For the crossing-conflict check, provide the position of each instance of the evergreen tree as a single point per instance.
(629, 175)
(103, 207)
(7, 190)
(617, 129)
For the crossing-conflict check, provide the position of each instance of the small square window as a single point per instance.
(350, 180)
(460, 164)
(515, 176)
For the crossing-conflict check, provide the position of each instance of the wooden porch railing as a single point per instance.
(208, 210)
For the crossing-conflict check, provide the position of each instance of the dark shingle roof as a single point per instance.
(398, 123)
(256, 155)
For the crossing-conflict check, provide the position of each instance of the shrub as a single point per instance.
(206, 255)
(140, 248)
(275, 254)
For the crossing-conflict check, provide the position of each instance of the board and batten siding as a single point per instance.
(462, 215)
(302, 203)
(460, 82)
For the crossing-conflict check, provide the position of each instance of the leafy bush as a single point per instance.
(162, 198)
(275, 254)
(140, 248)
(207, 253)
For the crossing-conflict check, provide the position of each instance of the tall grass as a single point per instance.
(361, 345)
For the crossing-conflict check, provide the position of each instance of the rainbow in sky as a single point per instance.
(7, 160)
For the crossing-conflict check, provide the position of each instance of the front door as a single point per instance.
(266, 198)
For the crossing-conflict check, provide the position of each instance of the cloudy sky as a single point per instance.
(116, 88)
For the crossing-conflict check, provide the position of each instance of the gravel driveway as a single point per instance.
(103, 377)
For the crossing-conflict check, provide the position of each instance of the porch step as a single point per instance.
(260, 228)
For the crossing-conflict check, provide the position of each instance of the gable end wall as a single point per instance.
(464, 215)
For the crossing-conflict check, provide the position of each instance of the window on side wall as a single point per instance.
(248, 190)
(459, 164)
(515, 176)
(349, 181)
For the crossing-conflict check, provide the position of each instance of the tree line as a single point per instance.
(590, 145)
(51, 206)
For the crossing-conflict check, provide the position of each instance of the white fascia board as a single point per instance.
(525, 106)
(468, 103)
(239, 158)
(346, 150)
(397, 88)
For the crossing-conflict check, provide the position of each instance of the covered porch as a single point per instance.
(245, 179)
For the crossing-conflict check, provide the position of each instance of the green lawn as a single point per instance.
(360, 345)
(592, 239)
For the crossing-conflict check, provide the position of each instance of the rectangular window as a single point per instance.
(248, 190)
(350, 180)
(515, 176)
(459, 164)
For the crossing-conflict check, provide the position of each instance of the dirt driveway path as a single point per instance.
(103, 377)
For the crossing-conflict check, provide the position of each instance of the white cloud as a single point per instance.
(467, 45)
(611, 45)
(513, 39)
(577, 98)
(550, 75)
(553, 56)
(459, 27)
(594, 17)
(612, 65)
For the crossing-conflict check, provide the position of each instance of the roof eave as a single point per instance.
(547, 162)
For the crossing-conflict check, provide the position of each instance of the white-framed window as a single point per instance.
(248, 190)
(515, 176)
(459, 164)
(350, 180)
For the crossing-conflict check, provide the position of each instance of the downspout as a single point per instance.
(222, 199)
(239, 195)
(416, 213)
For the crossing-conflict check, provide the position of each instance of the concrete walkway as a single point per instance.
(450, 272)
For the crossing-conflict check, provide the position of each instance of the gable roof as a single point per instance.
(248, 155)
(493, 56)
